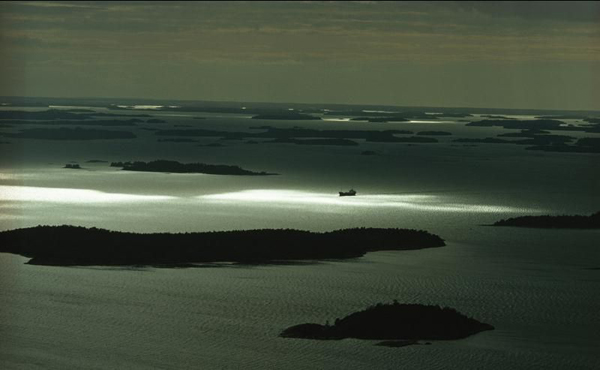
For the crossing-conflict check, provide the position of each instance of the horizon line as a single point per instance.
(294, 103)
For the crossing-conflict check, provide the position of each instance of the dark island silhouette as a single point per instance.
(583, 145)
(176, 140)
(59, 114)
(496, 117)
(162, 165)
(525, 133)
(64, 133)
(487, 140)
(381, 119)
(71, 245)
(72, 166)
(72, 122)
(538, 124)
(296, 133)
(434, 133)
(527, 138)
(395, 321)
(553, 222)
(288, 116)
(334, 142)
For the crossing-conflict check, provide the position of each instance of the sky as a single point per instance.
(543, 55)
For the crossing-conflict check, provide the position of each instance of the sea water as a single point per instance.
(539, 288)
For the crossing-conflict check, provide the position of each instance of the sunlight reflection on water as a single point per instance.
(265, 198)
(64, 195)
(294, 198)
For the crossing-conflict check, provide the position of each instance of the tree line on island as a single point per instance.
(554, 222)
(71, 245)
(177, 167)
(398, 324)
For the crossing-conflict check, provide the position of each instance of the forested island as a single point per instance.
(554, 222)
(71, 245)
(395, 321)
(333, 141)
(434, 133)
(72, 166)
(288, 116)
(72, 122)
(60, 114)
(70, 134)
(177, 167)
(297, 133)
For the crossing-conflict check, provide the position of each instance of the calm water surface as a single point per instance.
(539, 288)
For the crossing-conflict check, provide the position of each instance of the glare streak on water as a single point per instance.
(61, 195)
(406, 201)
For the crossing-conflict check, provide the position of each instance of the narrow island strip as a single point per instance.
(176, 167)
(397, 324)
(80, 246)
(553, 222)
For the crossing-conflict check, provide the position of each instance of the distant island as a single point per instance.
(71, 245)
(381, 119)
(69, 134)
(553, 222)
(287, 116)
(538, 124)
(73, 166)
(177, 140)
(333, 141)
(434, 133)
(298, 133)
(59, 114)
(395, 321)
(176, 167)
(72, 122)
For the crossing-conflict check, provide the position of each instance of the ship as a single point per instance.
(349, 193)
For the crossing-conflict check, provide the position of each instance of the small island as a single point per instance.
(553, 222)
(177, 140)
(176, 167)
(288, 116)
(79, 246)
(72, 166)
(333, 141)
(434, 133)
(394, 322)
(70, 134)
